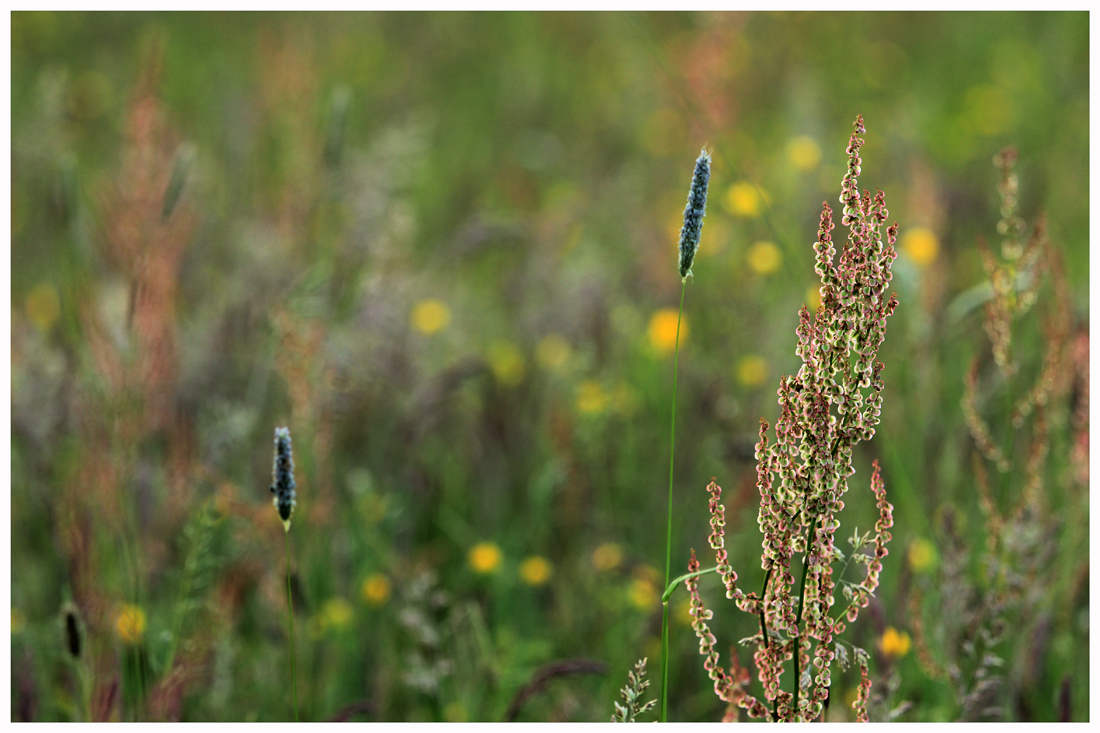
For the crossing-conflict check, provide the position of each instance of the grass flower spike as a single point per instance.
(282, 485)
(689, 245)
(693, 214)
(282, 478)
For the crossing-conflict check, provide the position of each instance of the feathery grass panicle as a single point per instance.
(632, 695)
(694, 213)
(282, 477)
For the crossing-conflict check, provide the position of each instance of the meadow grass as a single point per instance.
(438, 247)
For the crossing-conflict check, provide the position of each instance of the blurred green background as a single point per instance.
(441, 248)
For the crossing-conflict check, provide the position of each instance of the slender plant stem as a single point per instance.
(801, 607)
(764, 632)
(664, 662)
(668, 538)
(763, 592)
(688, 576)
(290, 614)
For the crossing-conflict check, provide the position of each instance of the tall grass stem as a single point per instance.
(290, 613)
(668, 537)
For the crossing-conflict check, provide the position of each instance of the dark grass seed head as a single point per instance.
(283, 476)
(73, 631)
(693, 214)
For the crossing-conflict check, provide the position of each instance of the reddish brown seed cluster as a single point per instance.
(825, 410)
(1016, 278)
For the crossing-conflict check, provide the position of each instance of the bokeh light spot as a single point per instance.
(430, 316)
(485, 557)
(535, 570)
(130, 624)
(662, 330)
(744, 199)
(813, 296)
(752, 370)
(765, 258)
(507, 363)
(553, 352)
(893, 643)
(921, 245)
(804, 153)
(591, 398)
(376, 589)
(922, 555)
(43, 306)
(607, 556)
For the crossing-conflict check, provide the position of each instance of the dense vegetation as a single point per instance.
(442, 250)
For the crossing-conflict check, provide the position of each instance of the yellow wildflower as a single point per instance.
(922, 555)
(553, 352)
(18, 621)
(894, 644)
(624, 399)
(335, 614)
(765, 258)
(607, 556)
(662, 330)
(430, 315)
(591, 398)
(752, 370)
(535, 570)
(454, 712)
(43, 306)
(921, 245)
(643, 594)
(683, 614)
(745, 200)
(506, 362)
(804, 153)
(376, 589)
(813, 297)
(130, 624)
(485, 557)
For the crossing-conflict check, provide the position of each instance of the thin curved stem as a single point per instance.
(667, 596)
(668, 538)
(290, 613)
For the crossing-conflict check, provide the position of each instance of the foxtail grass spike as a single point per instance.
(694, 213)
(74, 631)
(282, 478)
